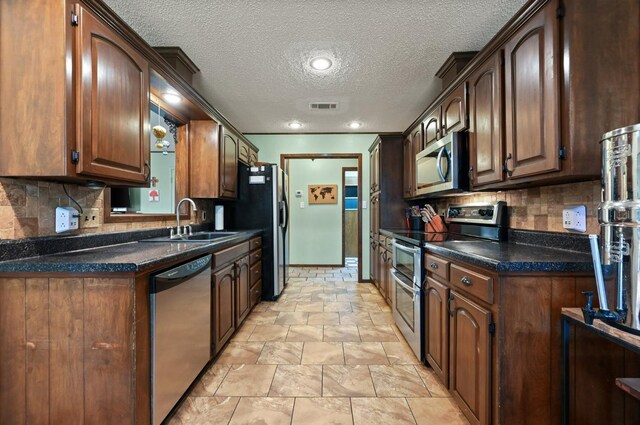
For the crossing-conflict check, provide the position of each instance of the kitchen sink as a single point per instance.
(196, 237)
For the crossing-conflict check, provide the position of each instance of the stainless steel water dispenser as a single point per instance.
(616, 256)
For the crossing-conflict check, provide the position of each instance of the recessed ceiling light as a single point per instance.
(172, 98)
(354, 125)
(320, 63)
(295, 125)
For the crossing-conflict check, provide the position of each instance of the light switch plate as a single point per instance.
(301, 204)
(575, 218)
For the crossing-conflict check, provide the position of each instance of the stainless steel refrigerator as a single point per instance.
(262, 204)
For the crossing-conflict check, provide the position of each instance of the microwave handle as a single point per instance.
(443, 176)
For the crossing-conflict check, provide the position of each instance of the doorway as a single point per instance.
(350, 220)
(316, 229)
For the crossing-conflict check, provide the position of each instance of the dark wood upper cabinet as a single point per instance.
(244, 152)
(374, 168)
(437, 328)
(229, 165)
(454, 111)
(223, 306)
(431, 126)
(470, 358)
(113, 106)
(243, 297)
(485, 122)
(532, 97)
(204, 151)
(408, 173)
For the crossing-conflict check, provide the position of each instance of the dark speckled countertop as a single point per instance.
(522, 252)
(123, 257)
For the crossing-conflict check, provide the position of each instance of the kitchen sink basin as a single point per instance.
(196, 237)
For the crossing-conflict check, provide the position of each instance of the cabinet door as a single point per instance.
(375, 214)
(485, 124)
(431, 128)
(112, 109)
(204, 151)
(223, 305)
(373, 259)
(229, 166)
(388, 276)
(409, 159)
(244, 152)
(253, 157)
(374, 168)
(470, 358)
(531, 97)
(382, 263)
(243, 294)
(454, 111)
(437, 328)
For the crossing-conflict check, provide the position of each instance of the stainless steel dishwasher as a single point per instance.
(180, 332)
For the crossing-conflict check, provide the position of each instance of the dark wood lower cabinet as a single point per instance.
(223, 306)
(437, 332)
(470, 359)
(243, 296)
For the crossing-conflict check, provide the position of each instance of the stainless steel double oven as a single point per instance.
(407, 274)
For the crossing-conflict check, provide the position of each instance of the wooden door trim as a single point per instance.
(344, 195)
(284, 164)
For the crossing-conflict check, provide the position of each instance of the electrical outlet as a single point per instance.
(89, 218)
(575, 218)
(66, 219)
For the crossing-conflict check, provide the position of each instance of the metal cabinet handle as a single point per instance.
(434, 266)
(148, 167)
(470, 172)
(449, 305)
(506, 165)
(466, 281)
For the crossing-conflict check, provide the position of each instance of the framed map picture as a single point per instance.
(323, 194)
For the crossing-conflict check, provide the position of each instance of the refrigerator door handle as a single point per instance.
(286, 213)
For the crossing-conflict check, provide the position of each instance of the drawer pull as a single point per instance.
(466, 281)
(434, 266)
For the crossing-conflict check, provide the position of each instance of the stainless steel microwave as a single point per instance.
(442, 167)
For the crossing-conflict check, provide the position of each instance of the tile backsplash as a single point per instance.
(539, 208)
(27, 209)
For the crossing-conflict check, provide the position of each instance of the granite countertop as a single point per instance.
(529, 253)
(123, 257)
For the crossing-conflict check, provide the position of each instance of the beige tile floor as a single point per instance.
(327, 352)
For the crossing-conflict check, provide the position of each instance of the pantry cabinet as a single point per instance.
(112, 89)
(374, 168)
(408, 171)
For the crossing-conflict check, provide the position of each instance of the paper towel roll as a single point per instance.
(219, 217)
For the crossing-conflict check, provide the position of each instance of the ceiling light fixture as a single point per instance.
(295, 125)
(172, 98)
(354, 125)
(320, 63)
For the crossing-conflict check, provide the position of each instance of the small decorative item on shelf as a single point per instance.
(433, 222)
(159, 132)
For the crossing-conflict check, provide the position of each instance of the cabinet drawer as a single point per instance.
(256, 293)
(255, 256)
(255, 243)
(220, 258)
(437, 266)
(256, 273)
(472, 282)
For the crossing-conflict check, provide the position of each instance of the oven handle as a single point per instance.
(404, 285)
(405, 248)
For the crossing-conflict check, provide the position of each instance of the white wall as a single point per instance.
(316, 229)
(273, 145)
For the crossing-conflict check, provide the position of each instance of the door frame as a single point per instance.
(344, 196)
(284, 164)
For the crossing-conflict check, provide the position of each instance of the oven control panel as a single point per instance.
(477, 213)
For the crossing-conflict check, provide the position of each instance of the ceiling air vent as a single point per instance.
(323, 106)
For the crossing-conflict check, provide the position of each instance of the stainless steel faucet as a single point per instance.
(178, 233)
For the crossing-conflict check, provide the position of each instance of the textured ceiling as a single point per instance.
(254, 54)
